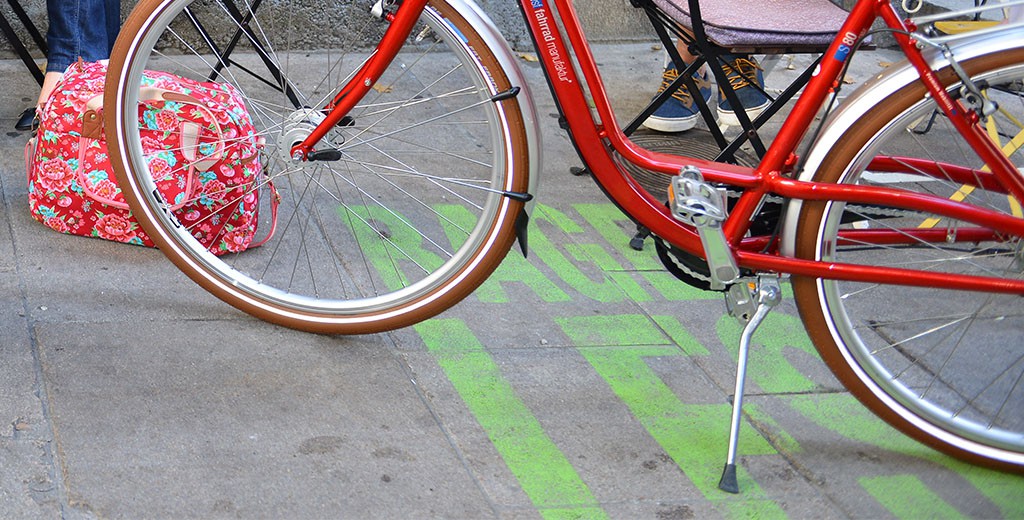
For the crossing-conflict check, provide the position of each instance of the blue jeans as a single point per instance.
(80, 29)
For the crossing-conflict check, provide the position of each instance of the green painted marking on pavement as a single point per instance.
(680, 336)
(543, 471)
(626, 281)
(617, 229)
(600, 289)
(612, 269)
(556, 218)
(694, 435)
(905, 496)
(515, 269)
(843, 414)
(614, 273)
(616, 284)
(1001, 489)
(672, 289)
(389, 260)
(780, 334)
(771, 429)
(619, 329)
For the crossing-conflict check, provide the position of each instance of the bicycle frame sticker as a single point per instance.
(844, 50)
(549, 43)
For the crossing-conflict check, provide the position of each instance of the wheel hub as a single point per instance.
(296, 128)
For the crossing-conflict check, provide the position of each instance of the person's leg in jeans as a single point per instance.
(83, 29)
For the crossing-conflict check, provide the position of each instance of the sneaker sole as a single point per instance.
(671, 125)
(729, 118)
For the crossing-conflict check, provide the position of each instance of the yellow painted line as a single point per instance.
(961, 194)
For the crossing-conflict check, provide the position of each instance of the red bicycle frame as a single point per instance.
(596, 138)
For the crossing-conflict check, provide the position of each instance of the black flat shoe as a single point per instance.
(27, 121)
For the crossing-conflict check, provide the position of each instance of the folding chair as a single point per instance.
(721, 27)
(243, 17)
(712, 29)
(18, 45)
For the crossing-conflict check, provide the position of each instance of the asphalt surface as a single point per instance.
(582, 382)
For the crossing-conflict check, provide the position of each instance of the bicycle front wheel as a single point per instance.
(944, 366)
(417, 207)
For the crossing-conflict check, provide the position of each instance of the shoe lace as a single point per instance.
(741, 72)
(682, 93)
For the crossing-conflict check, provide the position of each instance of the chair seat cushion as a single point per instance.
(762, 23)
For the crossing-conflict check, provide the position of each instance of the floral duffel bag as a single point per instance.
(199, 141)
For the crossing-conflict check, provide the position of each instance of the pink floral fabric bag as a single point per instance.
(200, 144)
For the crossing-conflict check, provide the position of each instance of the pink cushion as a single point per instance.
(762, 23)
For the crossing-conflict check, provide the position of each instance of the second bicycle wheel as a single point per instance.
(944, 366)
(412, 213)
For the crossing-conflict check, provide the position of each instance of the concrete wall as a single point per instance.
(604, 20)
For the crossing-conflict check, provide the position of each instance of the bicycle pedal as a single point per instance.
(699, 204)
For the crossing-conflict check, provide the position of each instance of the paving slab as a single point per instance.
(27, 484)
(242, 418)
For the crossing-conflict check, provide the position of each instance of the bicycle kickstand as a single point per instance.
(740, 300)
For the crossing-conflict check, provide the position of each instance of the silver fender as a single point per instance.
(870, 93)
(496, 42)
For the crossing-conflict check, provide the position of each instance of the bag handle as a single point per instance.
(92, 124)
(275, 200)
(189, 132)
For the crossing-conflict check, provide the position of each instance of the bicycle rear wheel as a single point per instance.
(414, 215)
(944, 366)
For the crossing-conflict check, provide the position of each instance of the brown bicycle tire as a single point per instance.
(808, 291)
(456, 284)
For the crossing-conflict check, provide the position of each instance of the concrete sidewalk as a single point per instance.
(583, 382)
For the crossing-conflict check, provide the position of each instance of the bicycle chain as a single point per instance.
(854, 208)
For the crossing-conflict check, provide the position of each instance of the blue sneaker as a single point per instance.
(679, 112)
(742, 71)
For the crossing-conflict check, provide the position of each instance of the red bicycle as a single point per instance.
(405, 156)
